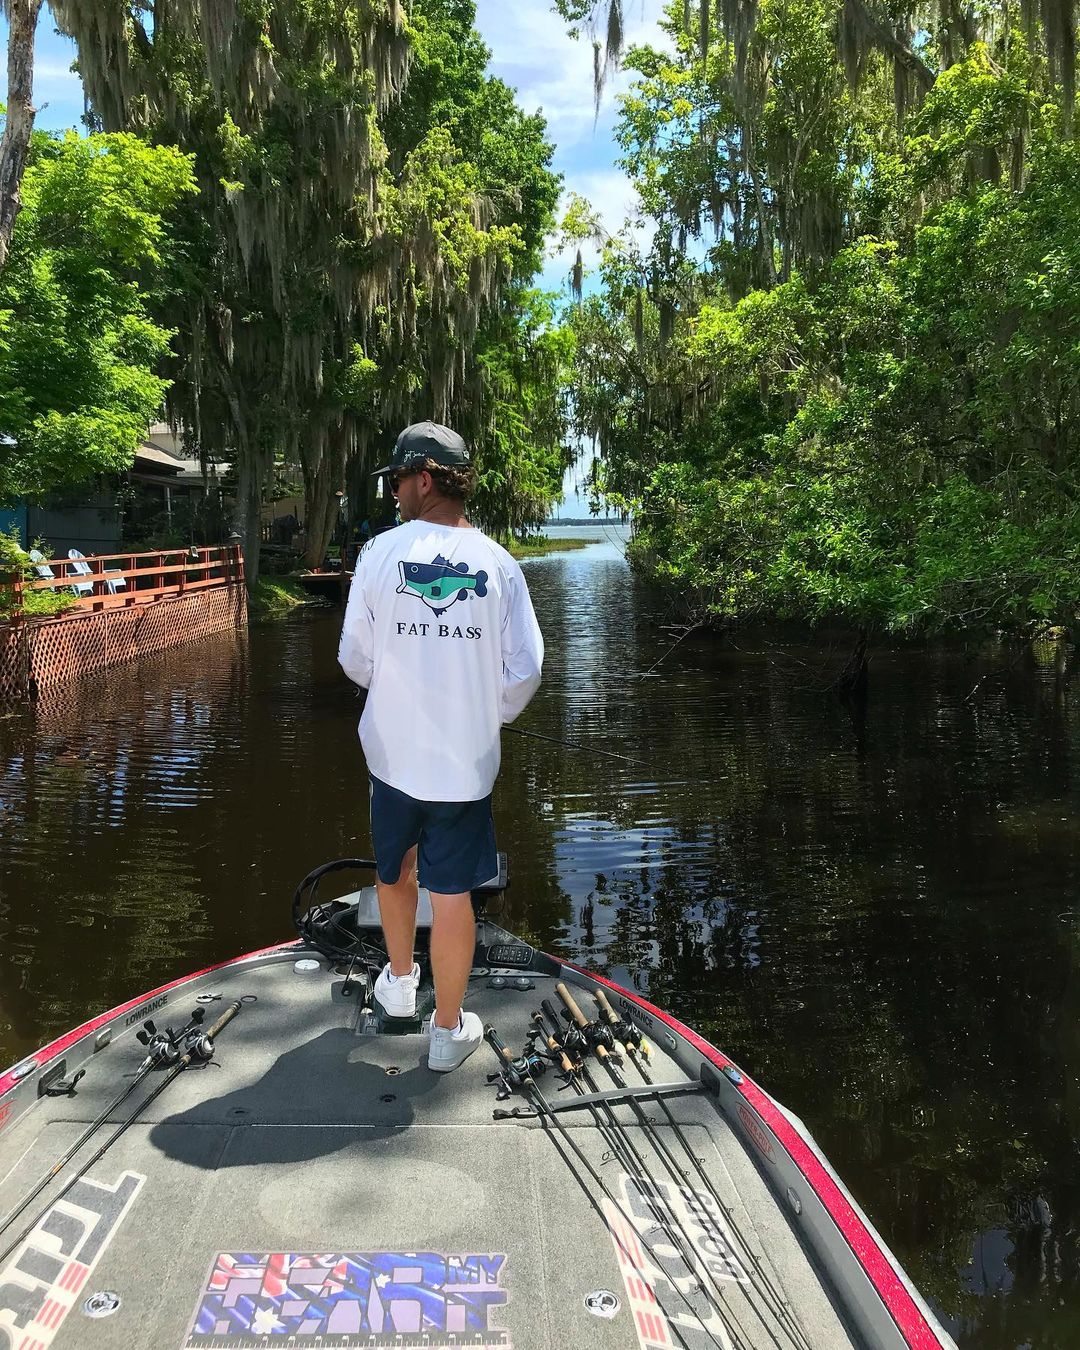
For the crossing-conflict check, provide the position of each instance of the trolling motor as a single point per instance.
(519, 1073)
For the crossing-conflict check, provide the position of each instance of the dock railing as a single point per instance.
(120, 580)
(124, 606)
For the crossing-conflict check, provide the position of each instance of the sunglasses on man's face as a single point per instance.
(396, 478)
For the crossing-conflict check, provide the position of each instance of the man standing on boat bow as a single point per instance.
(440, 630)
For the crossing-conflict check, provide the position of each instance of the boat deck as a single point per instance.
(317, 1184)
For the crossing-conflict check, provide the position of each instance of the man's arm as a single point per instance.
(356, 654)
(523, 648)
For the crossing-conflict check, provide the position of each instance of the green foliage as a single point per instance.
(524, 365)
(78, 349)
(273, 598)
(470, 343)
(876, 418)
(15, 563)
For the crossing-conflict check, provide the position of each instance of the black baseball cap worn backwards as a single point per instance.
(423, 441)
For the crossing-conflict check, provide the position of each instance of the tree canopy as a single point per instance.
(353, 234)
(80, 350)
(836, 375)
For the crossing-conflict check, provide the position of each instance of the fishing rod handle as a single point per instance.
(605, 1006)
(554, 1046)
(552, 1013)
(224, 1020)
(578, 1016)
(642, 1048)
(571, 1005)
(498, 1044)
(613, 1020)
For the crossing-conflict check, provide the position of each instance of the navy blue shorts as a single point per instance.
(456, 840)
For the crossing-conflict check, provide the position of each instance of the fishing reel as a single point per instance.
(518, 1072)
(200, 1047)
(580, 1040)
(629, 1035)
(558, 1051)
(165, 1047)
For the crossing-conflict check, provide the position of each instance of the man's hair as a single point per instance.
(452, 480)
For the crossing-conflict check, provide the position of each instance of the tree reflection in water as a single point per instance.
(877, 918)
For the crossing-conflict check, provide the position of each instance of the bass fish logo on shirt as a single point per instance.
(440, 583)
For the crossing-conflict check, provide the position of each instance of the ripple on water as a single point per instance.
(872, 910)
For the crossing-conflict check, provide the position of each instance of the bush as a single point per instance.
(15, 562)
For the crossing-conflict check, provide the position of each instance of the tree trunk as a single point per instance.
(322, 504)
(15, 145)
(247, 515)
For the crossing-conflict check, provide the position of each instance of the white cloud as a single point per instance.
(532, 51)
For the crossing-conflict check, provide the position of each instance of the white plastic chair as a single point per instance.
(41, 567)
(83, 569)
(115, 581)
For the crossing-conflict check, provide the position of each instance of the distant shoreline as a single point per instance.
(590, 520)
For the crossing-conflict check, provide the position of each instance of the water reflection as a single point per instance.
(875, 914)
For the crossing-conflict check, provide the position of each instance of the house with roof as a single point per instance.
(164, 485)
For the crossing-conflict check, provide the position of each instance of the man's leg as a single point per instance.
(397, 909)
(453, 944)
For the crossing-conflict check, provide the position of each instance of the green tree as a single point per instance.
(881, 426)
(471, 346)
(343, 232)
(79, 350)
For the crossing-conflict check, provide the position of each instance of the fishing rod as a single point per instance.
(627, 1035)
(576, 1046)
(162, 1047)
(631, 1036)
(616, 1026)
(200, 1046)
(520, 1075)
(569, 1052)
(599, 1035)
(577, 745)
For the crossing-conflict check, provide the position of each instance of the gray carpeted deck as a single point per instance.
(423, 1221)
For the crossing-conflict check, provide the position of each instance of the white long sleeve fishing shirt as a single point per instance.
(441, 631)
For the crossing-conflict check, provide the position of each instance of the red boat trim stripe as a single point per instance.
(906, 1313)
(69, 1038)
(904, 1310)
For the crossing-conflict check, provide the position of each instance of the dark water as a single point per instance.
(878, 918)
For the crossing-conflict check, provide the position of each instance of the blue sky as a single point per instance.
(530, 50)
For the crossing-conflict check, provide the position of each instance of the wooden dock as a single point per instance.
(126, 605)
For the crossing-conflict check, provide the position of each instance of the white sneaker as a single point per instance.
(397, 993)
(451, 1048)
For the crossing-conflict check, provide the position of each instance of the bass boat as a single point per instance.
(256, 1155)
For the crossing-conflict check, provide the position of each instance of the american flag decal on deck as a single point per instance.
(330, 1298)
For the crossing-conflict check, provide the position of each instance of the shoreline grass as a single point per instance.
(275, 597)
(538, 547)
